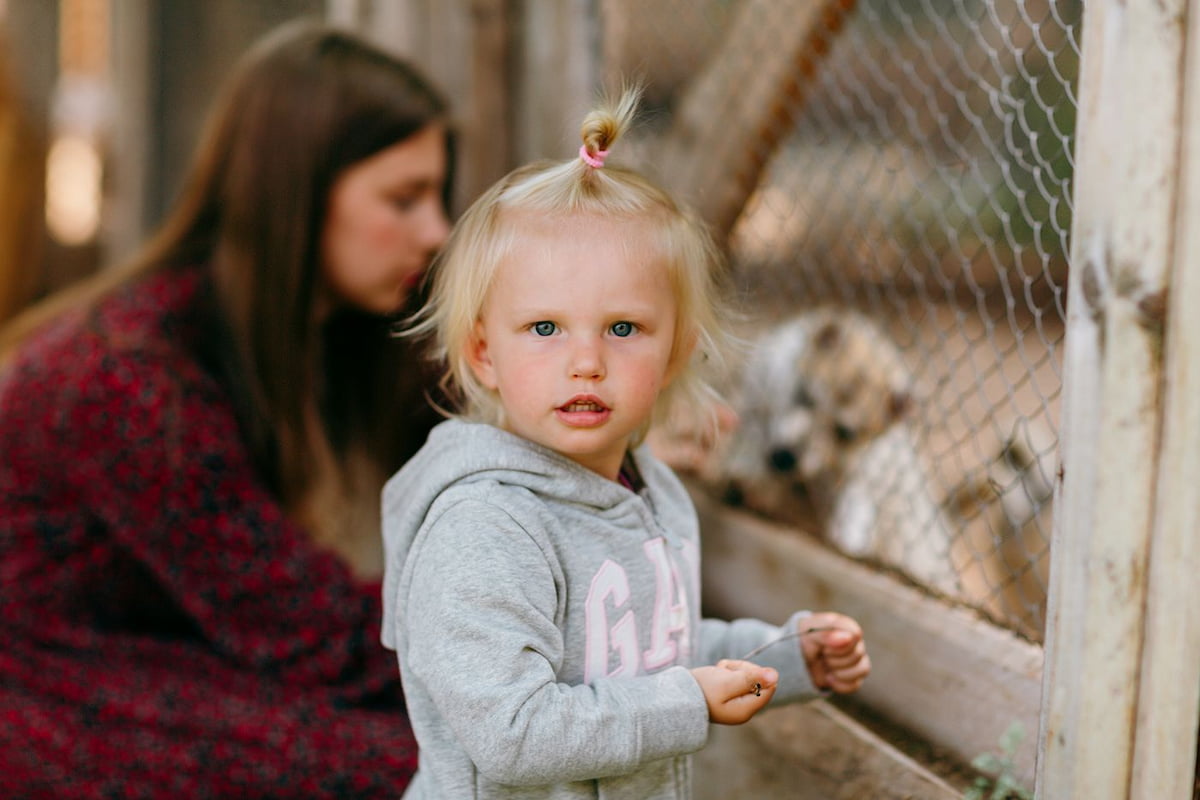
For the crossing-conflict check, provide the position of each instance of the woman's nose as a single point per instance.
(435, 228)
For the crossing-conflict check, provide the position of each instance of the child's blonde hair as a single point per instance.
(463, 272)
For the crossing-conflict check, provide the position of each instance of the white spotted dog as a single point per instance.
(823, 407)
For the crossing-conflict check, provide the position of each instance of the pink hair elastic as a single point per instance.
(594, 161)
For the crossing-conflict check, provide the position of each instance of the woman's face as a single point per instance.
(385, 223)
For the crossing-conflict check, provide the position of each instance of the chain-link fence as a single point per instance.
(903, 165)
(906, 167)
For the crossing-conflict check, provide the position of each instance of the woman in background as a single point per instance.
(194, 446)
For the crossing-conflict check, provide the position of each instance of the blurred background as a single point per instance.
(907, 159)
(910, 159)
(105, 99)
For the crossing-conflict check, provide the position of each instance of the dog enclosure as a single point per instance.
(913, 162)
(1003, 189)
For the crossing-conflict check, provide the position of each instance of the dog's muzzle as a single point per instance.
(782, 460)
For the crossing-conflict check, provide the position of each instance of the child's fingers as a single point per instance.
(839, 641)
(756, 678)
(831, 622)
(859, 666)
(727, 418)
(752, 694)
(835, 659)
(757, 694)
(845, 683)
(835, 652)
(849, 678)
(735, 691)
(843, 642)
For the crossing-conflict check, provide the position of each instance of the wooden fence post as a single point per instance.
(463, 46)
(757, 76)
(1122, 664)
(1165, 743)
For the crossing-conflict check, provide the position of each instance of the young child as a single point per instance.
(542, 587)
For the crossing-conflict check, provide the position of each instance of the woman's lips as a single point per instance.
(413, 280)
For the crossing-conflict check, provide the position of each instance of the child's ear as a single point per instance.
(478, 357)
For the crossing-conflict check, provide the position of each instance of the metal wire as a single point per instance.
(925, 180)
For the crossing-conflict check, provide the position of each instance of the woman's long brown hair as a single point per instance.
(303, 105)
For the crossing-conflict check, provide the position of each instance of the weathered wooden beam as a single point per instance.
(1165, 728)
(464, 45)
(810, 752)
(1122, 666)
(22, 202)
(555, 77)
(133, 129)
(739, 107)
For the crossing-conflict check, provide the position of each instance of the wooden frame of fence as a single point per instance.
(1122, 677)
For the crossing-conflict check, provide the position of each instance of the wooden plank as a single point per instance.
(944, 674)
(133, 130)
(485, 152)
(809, 752)
(555, 77)
(463, 46)
(1122, 243)
(401, 26)
(1165, 743)
(733, 116)
(22, 202)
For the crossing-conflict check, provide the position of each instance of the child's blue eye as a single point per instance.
(544, 328)
(622, 329)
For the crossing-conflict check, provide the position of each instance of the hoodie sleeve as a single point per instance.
(780, 650)
(482, 642)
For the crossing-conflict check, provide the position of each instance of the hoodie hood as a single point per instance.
(482, 453)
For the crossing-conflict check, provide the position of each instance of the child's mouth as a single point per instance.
(583, 411)
(573, 407)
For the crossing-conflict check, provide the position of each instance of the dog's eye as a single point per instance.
(844, 433)
(803, 398)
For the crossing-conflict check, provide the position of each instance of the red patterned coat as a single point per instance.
(166, 631)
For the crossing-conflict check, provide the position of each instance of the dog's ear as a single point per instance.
(899, 404)
(828, 336)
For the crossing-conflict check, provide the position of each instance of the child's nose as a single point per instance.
(587, 360)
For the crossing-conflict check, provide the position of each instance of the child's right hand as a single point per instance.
(735, 690)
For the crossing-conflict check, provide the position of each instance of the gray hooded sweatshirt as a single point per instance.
(545, 619)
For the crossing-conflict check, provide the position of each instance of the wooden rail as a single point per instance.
(1123, 638)
(944, 674)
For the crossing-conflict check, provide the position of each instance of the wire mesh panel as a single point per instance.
(902, 252)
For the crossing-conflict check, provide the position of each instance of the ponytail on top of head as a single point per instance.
(604, 125)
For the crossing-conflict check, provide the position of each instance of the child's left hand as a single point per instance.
(835, 653)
